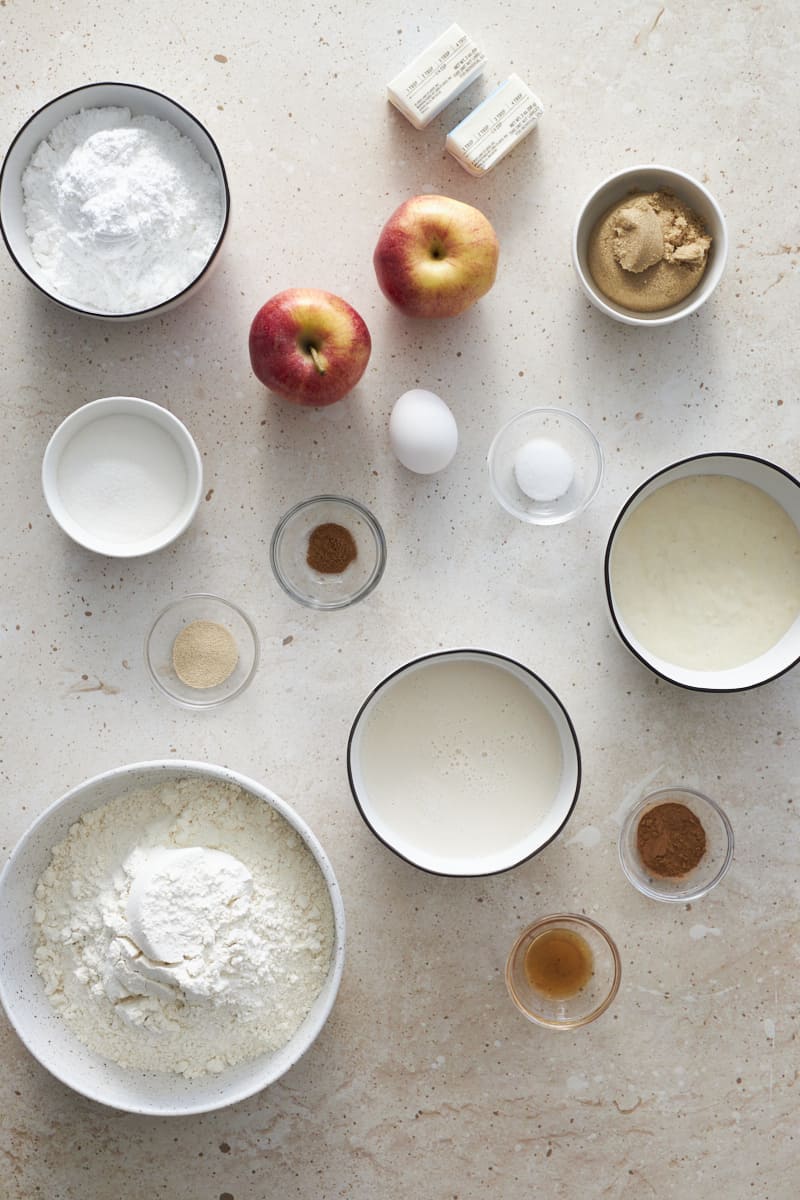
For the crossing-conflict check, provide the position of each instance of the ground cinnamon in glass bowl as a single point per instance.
(670, 839)
(676, 844)
(328, 552)
(201, 651)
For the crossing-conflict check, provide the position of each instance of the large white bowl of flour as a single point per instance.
(293, 963)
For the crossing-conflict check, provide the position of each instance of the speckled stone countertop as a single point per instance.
(426, 1082)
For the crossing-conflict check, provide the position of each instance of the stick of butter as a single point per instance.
(495, 127)
(436, 76)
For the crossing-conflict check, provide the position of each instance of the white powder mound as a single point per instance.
(246, 979)
(122, 213)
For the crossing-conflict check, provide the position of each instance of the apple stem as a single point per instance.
(318, 363)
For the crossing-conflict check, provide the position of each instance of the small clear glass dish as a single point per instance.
(712, 866)
(587, 1004)
(200, 606)
(316, 589)
(572, 435)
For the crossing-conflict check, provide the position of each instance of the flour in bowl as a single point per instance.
(183, 928)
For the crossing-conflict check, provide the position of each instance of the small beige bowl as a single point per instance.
(650, 179)
(593, 998)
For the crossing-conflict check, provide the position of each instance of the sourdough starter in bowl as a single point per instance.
(183, 928)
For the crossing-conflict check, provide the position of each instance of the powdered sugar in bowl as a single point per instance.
(226, 1018)
(114, 201)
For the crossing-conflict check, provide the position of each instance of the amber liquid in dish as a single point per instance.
(558, 963)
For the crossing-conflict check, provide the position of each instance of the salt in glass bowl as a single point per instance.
(142, 101)
(317, 589)
(200, 606)
(570, 433)
(593, 998)
(712, 866)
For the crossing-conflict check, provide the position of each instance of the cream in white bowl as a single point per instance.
(703, 572)
(49, 1036)
(122, 476)
(464, 763)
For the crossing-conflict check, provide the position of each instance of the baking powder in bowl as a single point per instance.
(183, 928)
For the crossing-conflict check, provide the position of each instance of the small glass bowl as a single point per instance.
(316, 589)
(712, 866)
(171, 620)
(593, 998)
(574, 436)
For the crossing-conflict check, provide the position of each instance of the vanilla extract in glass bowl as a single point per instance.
(563, 971)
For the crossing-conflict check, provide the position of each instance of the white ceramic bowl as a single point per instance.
(651, 179)
(142, 101)
(541, 829)
(45, 1033)
(180, 454)
(785, 654)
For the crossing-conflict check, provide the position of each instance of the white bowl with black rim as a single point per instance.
(732, 600)
(464, 763)
(141, 101)
(45, 1032)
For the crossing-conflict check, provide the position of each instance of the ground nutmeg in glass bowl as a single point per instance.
(331, 549)
(670, 839)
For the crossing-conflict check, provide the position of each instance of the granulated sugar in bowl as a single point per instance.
(174, 938)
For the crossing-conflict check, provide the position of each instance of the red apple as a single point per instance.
(309, 346)
(436, 256)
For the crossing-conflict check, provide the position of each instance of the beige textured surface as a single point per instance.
(426, 1082)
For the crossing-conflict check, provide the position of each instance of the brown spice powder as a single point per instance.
(331, 549)
(670, 840)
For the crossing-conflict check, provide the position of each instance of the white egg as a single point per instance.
(423, 432)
